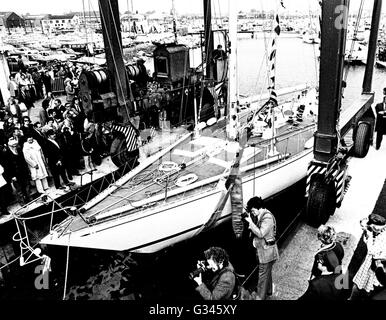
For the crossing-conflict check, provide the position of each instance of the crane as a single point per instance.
(327, 172)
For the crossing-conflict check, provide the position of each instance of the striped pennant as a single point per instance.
(130, 134)
(272, 64)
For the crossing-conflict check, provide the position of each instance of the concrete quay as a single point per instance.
(292, 271)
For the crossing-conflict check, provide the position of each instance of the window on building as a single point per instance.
(57, 21)
(162, 66)
(63, 21)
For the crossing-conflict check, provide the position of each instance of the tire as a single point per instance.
(362, 140)
(122, 152)
(115, 150)
(120, 155)
(321, 201)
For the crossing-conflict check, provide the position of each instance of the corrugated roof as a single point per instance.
(5, 14)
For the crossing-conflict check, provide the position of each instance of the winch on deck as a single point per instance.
(153, 103)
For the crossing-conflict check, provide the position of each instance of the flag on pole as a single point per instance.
(272, 62)
(130, 134)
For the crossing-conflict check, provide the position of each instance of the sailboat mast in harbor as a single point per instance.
(232, 85)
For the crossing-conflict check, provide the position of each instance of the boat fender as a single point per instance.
(201, 125)
(168, 166)
(186, 180)
(237, 208)
(211, 121)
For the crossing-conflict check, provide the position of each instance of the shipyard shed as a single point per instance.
(171, 63)
(10, 20)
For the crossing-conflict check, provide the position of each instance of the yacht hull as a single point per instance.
(167, 224)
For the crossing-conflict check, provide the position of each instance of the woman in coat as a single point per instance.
(366, 281)
(34, 157)
(329, 255)
(3, 201)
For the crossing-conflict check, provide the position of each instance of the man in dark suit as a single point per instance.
(17, 172)
(54, 154)
(380, 125)
(328, 285)
(325, 287)
(379, 267)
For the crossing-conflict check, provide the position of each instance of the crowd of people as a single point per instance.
(217, 279)
(62, 142)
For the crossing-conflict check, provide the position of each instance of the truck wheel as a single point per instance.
(115, 150)
(321, 201)
(122, 152)
(362, 140)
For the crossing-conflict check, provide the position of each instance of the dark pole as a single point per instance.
(373, 42)
(333, 45)
(111, 29)
(208, 37)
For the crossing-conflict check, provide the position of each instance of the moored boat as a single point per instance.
(176, 192)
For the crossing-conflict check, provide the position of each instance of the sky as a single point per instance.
(219, 7)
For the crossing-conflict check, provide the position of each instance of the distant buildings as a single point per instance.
(55, 23)
(10, 20)
(154, 22)
(89, 19)
(136, 23)
(33, 22)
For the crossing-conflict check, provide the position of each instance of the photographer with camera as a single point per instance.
(262, 225)
(222, 283)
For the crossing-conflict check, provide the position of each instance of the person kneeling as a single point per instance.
(222, 283)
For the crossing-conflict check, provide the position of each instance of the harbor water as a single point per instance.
(105, 275)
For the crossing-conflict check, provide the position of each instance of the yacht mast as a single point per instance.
(208, 36)
(174, 21)
(232, 85)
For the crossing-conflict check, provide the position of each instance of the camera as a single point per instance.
(244, 215)
(202, 268)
